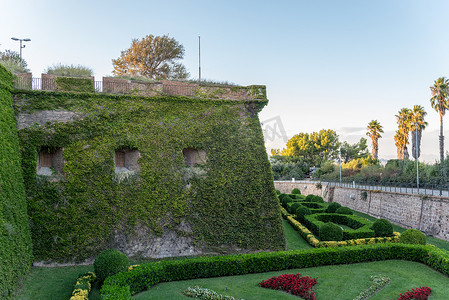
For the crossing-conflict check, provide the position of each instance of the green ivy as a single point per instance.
(74, 84)
(233, 206)
(15, 241)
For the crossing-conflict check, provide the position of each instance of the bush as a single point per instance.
(278, 192)
(296, 191)
(110, 262)
(302, 211)
(317, 199)
(331, 232)
(413, 236)
(69, 71)
(292, 208)
(344, 211)
(284, 198)
(310, 197)
(332, 208)
(382, 227)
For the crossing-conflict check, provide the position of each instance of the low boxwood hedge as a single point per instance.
(362, 226)
(125, 284)
(315, 207)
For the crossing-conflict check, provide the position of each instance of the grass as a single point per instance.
(334, 282)
(57, 283)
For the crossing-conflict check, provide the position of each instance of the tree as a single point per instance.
(11, 61)
(374, 130)
(404, 125)
(315, 147)
(154, 57)
(440, 103)
(417, 126)
(355, 151)
(69, 70)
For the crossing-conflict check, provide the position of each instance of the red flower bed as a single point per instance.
(292, 283)
(421, 293)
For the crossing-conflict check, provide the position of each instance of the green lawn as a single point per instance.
(334, 282)
(57, 283)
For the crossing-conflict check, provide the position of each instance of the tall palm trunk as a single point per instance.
(441, 139)
(375, 151)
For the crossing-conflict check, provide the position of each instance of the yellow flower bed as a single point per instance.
(83, 286)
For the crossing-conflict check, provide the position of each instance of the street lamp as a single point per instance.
(24, 40)
(416, 154)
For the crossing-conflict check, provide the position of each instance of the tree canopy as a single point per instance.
(314, 148)
(155, 57)
(12, 61)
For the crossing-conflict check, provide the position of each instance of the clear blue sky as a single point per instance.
(326, 64)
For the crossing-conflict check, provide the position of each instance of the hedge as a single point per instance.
(123, 285)
(362, 226)
(15, 242)
(314, 242)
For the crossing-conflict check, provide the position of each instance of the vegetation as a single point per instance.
(153, 57)
(69, 70)
(330, 232)
(417, 126)
(374, 130)
(73, 217)
(12, 62)
(413, 236)
(110, 262)
(296, 191)
(15, 242)
(382, 227)
(440, 102)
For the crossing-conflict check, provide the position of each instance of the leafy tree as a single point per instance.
(153, 57)
(417, 126)
(404, 125)
(314, 148)
(351, 152)
(440, 103)
(11, 61)
(374, 130)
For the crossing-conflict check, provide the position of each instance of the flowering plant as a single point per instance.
(292, 283)
(421, 293)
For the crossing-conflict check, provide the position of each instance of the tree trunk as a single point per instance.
(441, 139)
(375, 151)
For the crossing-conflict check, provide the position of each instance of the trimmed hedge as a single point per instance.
(110, 262)
(15, 241)
(296, 191)
(344, 211)
(331, 232)
(332, 208)
(413, 236)
(382, 227)
(315, 207)
(124, 284)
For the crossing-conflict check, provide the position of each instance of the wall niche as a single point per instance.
(50, 161)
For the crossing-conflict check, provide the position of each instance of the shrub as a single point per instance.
(317, 199)
(331, 232)
(69, 71)
(278, 192)
(296, 284)
(413, 236)
(344, 211)
(332, 208)
(110, 262)
(382, 227)
(302, 211)
(296, 191)
(292, 208)
(421, 293)
(310, 197)
(285, 199)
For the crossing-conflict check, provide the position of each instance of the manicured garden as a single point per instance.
(386, 270)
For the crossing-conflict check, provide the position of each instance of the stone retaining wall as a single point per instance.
(430, 214)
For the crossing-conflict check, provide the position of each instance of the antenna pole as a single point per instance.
(199, 60)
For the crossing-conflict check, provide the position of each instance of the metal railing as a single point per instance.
(431, 189)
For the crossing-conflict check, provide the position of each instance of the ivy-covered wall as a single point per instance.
(227, 205)
(15, 241)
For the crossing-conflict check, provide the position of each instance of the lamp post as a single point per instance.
(339, 160)
(21, 40)
(416, 153)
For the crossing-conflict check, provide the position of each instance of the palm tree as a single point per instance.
(399, 142)
(440, 103)
(374, 130)
(417, 126)
(404, 126)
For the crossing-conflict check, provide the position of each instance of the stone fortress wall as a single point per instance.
(430, 214)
